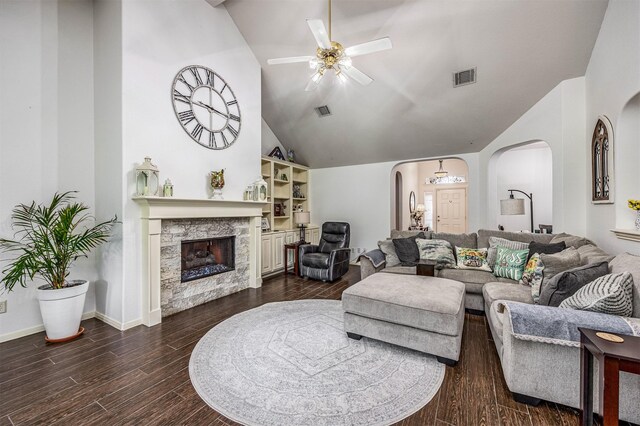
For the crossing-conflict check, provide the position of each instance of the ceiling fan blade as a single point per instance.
(312, 85)
(357, 75)
(369, 47)
(289, 60)
(320, 33)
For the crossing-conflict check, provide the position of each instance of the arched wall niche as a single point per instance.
(525, 166)
(626, 159)
(414, 176)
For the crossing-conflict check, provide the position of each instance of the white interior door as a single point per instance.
(451, 210)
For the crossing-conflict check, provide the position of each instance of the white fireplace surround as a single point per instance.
(156, 209)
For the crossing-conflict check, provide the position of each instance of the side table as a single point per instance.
(296, 266)
(426, 268)
(612, 359)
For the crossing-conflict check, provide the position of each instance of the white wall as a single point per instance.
(46, 129)
(611, 81)
(203, 35)
(362, 196)
(557, 119)
(529, 169)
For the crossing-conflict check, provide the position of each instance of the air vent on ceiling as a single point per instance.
(465, 77)
(323, 111)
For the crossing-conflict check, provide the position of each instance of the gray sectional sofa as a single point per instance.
(533, 370)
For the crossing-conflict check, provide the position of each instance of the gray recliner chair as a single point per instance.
(329, 260)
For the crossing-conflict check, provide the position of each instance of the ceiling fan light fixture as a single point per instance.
(318, 75)
(314, 63)
(345, 62)
(341, 77)
(441, 172)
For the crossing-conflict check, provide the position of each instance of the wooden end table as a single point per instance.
(426, 268)
(612, 359)
(295, 247)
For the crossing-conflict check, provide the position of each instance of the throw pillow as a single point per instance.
(559, 262)
(567, 283)
(472, 258)
(610, 294)
(390, 255)
(571, 240)
(437, 250)
(510, 263)
(532, 275)
(494, 242)
(592, 254)
(542, 248)
(407, 250)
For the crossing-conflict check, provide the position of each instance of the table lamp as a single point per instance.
(302, 219)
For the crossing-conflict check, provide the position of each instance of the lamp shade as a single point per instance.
(512, 206)
(302, 218)
(420, 208)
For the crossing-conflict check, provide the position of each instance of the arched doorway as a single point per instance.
(526, 167)
(442, 196)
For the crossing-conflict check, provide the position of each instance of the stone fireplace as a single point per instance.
(195, 251)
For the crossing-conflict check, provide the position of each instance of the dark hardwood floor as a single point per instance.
(140, 376)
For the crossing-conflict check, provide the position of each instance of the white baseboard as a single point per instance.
(36, 329)
(117, 324)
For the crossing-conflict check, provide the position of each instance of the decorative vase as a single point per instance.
(637, 220)
(217, 183)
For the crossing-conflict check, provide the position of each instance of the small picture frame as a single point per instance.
(265, 224)
(277, 153)
(278, 209)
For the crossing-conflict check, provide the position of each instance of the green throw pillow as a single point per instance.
(510, 263)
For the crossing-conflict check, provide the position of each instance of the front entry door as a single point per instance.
(451, 205)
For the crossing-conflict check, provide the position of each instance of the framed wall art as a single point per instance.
(602, 162)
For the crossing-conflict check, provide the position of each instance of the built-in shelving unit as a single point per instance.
(284, 179)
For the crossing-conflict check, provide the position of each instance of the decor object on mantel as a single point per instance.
(331, 55)
(299, 349)
(167, 189)
(440, 173)
(515, 206)
(217, 183)
(277, 153)
(48, 239)
(635, 205)
(301, 219)
(206, 107)
(260, 190)
(602, 157)
(147, 179)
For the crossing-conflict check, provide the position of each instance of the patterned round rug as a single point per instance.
(291, 363)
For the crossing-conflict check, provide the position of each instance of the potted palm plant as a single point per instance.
(48, 239)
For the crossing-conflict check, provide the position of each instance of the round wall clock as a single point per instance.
(206, 107)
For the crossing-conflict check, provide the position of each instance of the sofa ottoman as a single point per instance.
(417, 312)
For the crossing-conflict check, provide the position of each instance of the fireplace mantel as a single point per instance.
(155, 209)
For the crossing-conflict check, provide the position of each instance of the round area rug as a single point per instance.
(291, 363)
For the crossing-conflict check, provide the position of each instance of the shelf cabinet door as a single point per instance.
(278, 250)
(266, 255)
(315, 236)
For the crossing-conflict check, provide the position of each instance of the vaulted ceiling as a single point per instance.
(521, 48)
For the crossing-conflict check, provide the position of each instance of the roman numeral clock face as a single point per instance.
(206, 107)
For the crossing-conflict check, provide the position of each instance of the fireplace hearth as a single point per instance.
(207, 257)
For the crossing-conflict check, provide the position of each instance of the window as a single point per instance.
(602, 162)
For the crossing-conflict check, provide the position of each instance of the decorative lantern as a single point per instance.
(147, 179)
(260, 190)
(167, 190)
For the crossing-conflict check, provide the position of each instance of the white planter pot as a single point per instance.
(61, 309)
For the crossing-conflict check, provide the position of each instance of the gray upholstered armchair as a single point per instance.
(329, 260)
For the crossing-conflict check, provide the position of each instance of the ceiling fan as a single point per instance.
(331, 55)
